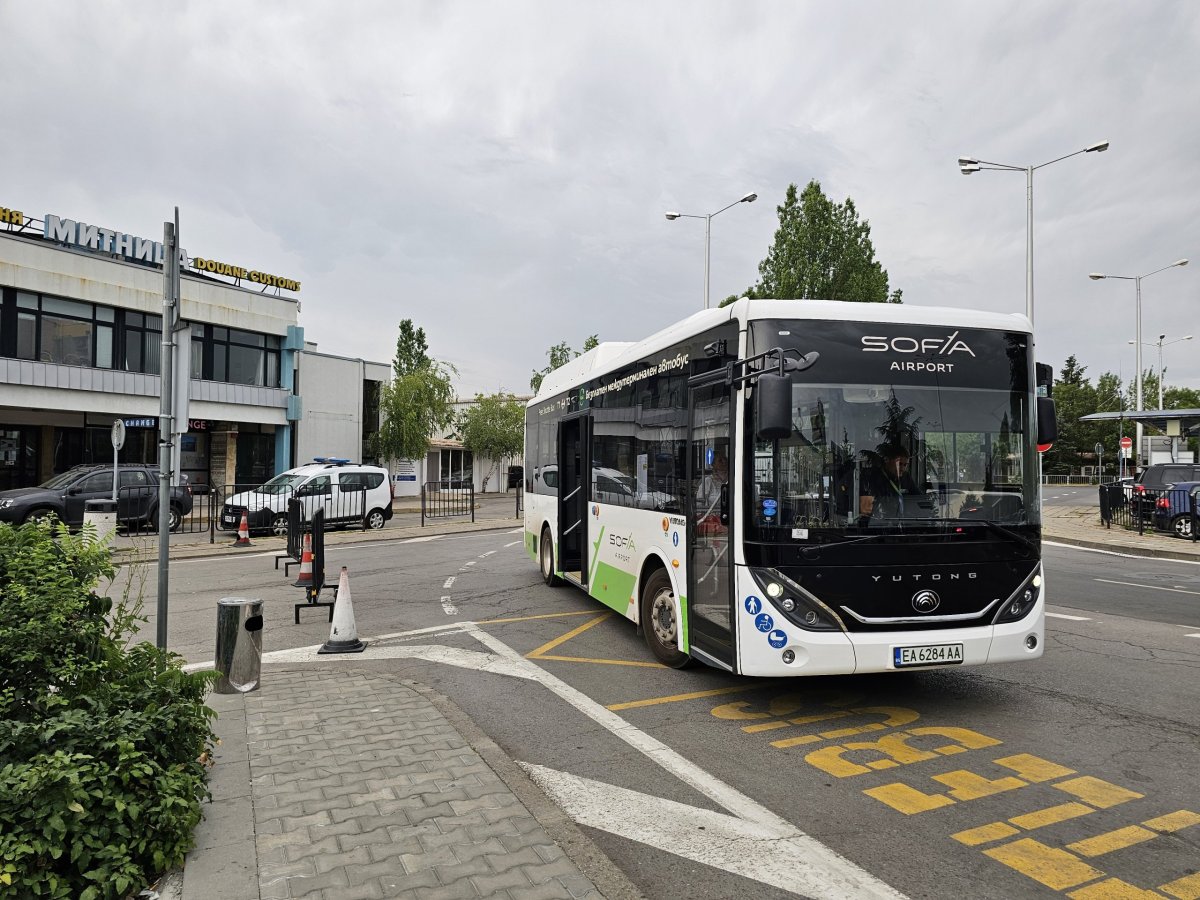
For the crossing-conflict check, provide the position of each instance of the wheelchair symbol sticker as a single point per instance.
(777, 638)
(764, 622)
(753, 606)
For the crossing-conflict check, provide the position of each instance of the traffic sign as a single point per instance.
(1126, 443)
(1099, 448)
(118, 434)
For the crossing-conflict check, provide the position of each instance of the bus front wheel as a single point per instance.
(546, 559)
(660, 624)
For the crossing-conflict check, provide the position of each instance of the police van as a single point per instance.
(348, 493)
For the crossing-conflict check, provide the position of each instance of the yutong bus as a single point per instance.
(798, 562)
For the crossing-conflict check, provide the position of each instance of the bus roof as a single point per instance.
(614, 354)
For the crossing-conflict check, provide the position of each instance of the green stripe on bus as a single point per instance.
(612, 587)
(595, 555)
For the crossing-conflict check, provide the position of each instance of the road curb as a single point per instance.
(1148, 552)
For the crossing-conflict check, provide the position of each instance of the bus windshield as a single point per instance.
(934, 448)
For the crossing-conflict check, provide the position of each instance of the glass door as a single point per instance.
(710, 556)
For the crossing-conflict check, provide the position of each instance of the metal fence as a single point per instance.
(1172, 510)
(266, 510)
(439, 502)
(193, 509)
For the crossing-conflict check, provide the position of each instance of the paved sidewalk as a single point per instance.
(1081, 526)
(341, 784)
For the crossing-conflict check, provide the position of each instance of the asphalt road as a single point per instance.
(1073, 775)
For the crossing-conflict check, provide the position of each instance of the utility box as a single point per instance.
(238, 658)
(102, 516)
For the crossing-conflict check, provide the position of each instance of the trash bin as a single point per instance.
(238, 658)
(102, 516)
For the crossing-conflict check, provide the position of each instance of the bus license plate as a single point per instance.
(933, 655)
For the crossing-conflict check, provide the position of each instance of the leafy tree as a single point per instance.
(494, 427)
(1074, 396)
(821, 251)
(418, 403)
(560, 354)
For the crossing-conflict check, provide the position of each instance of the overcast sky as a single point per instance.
(498, 172)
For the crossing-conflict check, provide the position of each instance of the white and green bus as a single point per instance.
(801, 487)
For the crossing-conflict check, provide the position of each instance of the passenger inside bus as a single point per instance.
(887, 482)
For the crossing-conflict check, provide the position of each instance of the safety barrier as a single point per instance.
(439, 502)
(268, 508)
(1173, 510)
(193, 509)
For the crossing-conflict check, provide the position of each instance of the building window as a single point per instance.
(143, 343)
(238, 357)
(64, 332)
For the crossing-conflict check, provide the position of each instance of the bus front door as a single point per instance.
(710, 554)
(574, 490)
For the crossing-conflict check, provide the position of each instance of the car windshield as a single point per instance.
(281, 484)
(922, 449)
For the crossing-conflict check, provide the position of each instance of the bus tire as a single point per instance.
(546, 560)
(660, 624)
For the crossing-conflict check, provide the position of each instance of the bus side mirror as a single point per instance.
(1047, 422)
(773, 407)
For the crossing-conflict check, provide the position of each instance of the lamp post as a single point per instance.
(748, 198)
(969, 165)
(1159, 344)
(1137, 280)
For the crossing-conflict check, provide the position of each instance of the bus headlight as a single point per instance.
(794, 603)
(1023, 600)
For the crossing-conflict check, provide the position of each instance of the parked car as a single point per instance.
(66, 494)
(349, 494)
(1153, 480)
(1173, 508)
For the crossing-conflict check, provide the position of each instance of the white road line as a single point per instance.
(449, 607)
(1192, 635)
(419, 540)
(819, 871)
(471, 563)
(1149, 587)
(1182, 562)
(449, 582)
(1051, 615)
(517, 531)
(486, 555)
(780, 858)
(513, 544)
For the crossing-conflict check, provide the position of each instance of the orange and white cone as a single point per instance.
(343, 635)
(243, 538)
(305, 578)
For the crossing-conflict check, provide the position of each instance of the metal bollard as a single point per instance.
(238, 657)
(102, 516)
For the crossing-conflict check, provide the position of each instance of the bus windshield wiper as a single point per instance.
(1001, 530)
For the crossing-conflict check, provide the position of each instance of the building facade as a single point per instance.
(80, 346)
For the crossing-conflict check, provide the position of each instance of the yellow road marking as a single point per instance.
(1099, 793)
(605, 662)
(984, 834)
(1118, 839)
(1050, 866)
(678, 698)
(1175, 821)
(800, 741)
(1034, 768)
(1113, 889)
(969, 786)
(1185, 888)
(586, 612)
(907, 800)
(799, 720)
(1052, 815)
(562, 639)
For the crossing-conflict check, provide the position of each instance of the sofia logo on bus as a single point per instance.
(934, 346)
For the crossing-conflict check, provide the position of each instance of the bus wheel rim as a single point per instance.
(662, 617)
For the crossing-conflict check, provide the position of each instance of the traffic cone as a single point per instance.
(304, 579)
(243, 538)
(343, 635)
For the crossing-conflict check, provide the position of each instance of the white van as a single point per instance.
(350, 494)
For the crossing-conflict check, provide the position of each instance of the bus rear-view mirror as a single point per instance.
(1047, 422)
(773, 407)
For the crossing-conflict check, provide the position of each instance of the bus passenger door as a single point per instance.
(574, 491)
(710, 554)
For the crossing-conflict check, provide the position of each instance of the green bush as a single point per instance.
(102, 742)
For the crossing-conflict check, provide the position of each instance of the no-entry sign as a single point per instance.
(1126, 443)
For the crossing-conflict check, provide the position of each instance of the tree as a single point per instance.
(418, 403)
(821, 251)
(494, 427)
(560, 354)
(1074, 396)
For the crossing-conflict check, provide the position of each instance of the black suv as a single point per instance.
(65, 495)
(1156, 479)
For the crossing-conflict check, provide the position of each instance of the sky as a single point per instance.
(498, 172)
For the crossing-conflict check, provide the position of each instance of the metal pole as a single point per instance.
(1137, 449)
(707, 236)
(165, 420)
(1161, 374)
(1029, 243)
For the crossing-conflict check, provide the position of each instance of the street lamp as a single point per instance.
(1137, 280)
(749, 198)
(969, 165)
(1159, 344)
